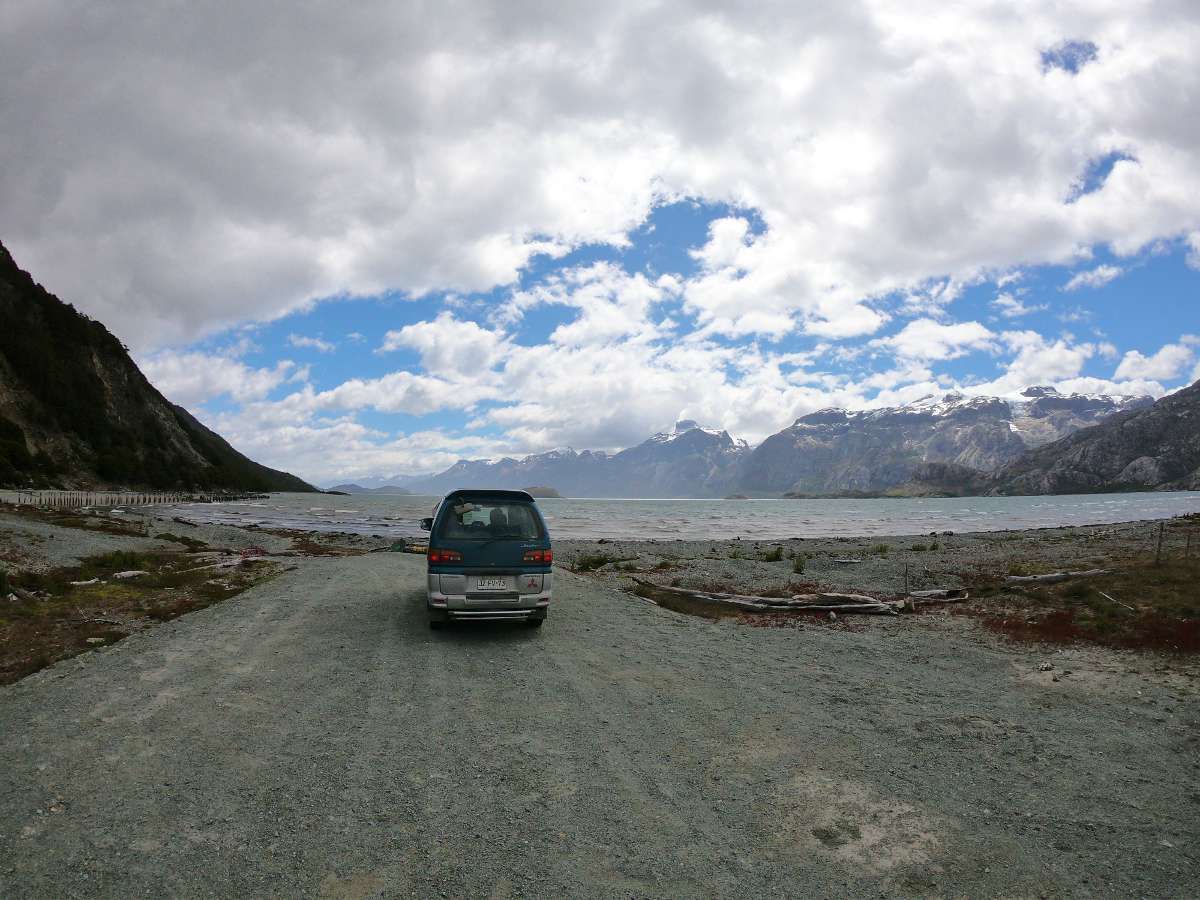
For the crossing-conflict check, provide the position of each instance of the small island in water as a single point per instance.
(543, 492)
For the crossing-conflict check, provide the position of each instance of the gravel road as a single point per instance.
(312, 738)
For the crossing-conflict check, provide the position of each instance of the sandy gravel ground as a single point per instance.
(878, 563)
(311, 737)
(30, 543)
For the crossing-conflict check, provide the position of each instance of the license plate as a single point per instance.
(491, 584)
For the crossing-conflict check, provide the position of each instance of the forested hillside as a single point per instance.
(75, 411)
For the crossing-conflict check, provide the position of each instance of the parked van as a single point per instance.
(489, 558)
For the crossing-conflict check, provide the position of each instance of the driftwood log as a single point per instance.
(1054, 576)
(817, 602)
(849, 603)
(941, 595)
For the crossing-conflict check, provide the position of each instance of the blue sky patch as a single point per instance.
(1070, 56)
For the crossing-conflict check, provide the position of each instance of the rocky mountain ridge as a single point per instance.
(687, 461)
(828, 452)
(1156, 447)
(836, 451)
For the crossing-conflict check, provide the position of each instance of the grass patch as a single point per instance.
(1165, 613)
(54, 619)
(773, 555)
(66, 519)
(799, 561)
(881, 549)
(194, 545)
(116, 561)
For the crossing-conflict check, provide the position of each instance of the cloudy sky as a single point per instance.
(368, 239)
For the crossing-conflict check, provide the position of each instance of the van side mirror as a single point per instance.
(427, 524)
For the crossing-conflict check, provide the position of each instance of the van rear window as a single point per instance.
(470, 520)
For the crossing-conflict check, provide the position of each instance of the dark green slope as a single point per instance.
(75, 411)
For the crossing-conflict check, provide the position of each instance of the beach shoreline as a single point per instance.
(879, 560)
(883, 567)
(392, 517)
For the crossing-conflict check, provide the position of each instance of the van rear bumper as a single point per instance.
(467, 602)
(486, 615)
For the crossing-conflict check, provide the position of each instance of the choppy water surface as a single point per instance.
(397, 516)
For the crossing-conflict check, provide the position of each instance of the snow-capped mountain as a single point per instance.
(835, 450)
(1154, 447)
(826, 452)
(687, 461)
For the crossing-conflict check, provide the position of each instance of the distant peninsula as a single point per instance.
(545, 493)
(359, 489)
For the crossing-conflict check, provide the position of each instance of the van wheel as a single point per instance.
(437, 624)
(535, 623)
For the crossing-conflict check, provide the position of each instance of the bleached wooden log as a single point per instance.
(939, 595)
(850, 603)
(1054, 577)
(834, 598)
(950, 595)
(711, 595)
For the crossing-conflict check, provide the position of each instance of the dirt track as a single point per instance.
(312, 738)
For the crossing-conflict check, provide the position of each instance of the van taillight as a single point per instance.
(539, 556)
(444, 556)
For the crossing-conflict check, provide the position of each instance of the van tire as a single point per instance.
(437, 624)
(535, 622)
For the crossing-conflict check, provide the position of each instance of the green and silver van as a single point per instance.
(489, 558)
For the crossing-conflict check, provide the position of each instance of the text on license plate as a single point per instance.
(492, 584)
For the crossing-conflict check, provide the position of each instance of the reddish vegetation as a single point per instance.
(1148, 631)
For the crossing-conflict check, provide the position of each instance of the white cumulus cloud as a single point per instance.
(1167, 363)
(312, 343)
(1011, 307)
(192, 378)
(926, 339)
(1092, 278)
(242, 161)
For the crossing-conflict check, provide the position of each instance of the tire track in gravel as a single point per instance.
(650, 791)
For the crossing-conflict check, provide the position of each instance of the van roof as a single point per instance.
(489, 494)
